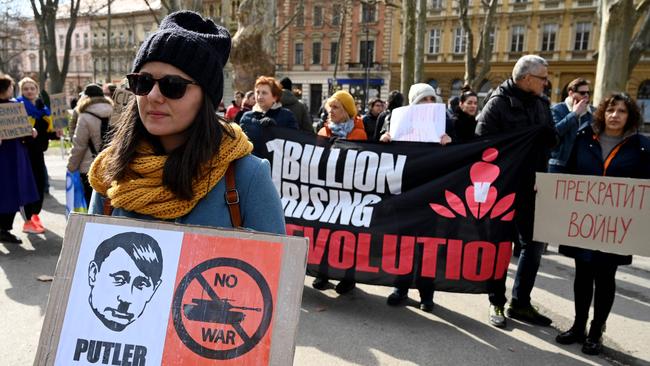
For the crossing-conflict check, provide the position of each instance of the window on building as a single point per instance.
(77, 41)
(61, 41)
(315, 53)
(298, 54)
(549, 34)
(492, 37)
(234, 8)
(460, 40)
(336, 14)
(517, 40)
(435, 4)
(131, 40)
(32, 62)
(583, 31)
(333, 49)
(85, 40)
(434, 41)
(456, 86)
(367, 52)
(122, 39)
(318, 16)
(368, 13)
(113, 40)
(300, 17)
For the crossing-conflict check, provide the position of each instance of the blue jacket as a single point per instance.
(250, 123)
(259, 201)
(632, 160)
(567, 124)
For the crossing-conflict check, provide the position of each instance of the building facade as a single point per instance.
(563, 32)
(349, 38)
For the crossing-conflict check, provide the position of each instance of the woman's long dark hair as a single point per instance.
(634, 120)
(183, 163)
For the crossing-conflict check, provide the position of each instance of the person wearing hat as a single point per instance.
(170, 157)
(87, 140)
(343, 120)
(421, 93)
(299, 110)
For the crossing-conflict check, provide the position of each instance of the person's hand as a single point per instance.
(385, 137)
(267, 121)
(445, 139)
(34, 133)
(581, 107)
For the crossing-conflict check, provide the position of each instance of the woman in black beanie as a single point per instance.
(170, 153)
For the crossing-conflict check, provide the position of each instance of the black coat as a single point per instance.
(632, 160)
(464, 126)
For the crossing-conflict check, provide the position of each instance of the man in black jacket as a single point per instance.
(518, 103)
(290, 102)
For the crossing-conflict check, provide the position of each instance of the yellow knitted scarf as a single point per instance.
(141, 190)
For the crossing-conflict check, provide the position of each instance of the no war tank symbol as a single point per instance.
(226, 317)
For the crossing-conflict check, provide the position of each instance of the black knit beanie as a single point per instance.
(193, 44)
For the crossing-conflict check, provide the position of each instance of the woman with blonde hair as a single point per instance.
(343, 120)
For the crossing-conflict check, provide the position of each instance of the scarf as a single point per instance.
(141, 190)
(34, 113)
(341, 129)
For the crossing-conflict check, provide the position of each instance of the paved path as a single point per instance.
(359, 329)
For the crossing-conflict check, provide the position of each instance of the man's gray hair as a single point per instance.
(526, 65)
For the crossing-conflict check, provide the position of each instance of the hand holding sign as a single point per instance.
(418, 123)
(13, 121)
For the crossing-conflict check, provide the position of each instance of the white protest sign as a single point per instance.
(602, 213)
(132, 292)
(59, 108)
(418, 123)
(13, 121)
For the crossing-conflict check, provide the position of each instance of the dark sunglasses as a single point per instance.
(171, 86)
(583, 93)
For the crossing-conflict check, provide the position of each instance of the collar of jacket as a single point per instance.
(257, 108)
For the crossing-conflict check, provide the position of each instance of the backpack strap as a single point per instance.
(108, 208)
(91, 145)
(232, 197)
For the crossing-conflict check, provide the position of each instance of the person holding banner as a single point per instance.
(342, 122)
(39, 117)
(17, 186)
(611, 146)
(267, 111)
(464, 117)
(517, 103)
(170, 157)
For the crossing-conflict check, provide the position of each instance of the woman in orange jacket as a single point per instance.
(343, 121)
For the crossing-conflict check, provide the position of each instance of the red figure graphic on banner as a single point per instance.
(481, 196)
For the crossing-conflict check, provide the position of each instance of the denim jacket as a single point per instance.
(260, 205)
(567, 124)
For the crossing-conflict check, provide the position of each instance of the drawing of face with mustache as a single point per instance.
(123, 277)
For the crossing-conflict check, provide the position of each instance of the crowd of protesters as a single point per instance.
(171, 135)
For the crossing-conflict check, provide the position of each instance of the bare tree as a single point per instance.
(339, 43)
(420, 31)
(11, 43)
(475, 78)
(45, 18)
(619, 49)
(408, 44)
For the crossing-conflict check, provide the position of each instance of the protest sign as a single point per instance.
(402, 213)
(59, 108)
(418, 123)
(130, 292)
(13, 121)
(121, 99)
(602, 213)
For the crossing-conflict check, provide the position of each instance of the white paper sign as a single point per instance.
(110, 297)
(418, 123)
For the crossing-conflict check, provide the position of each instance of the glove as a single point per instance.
(267, 122)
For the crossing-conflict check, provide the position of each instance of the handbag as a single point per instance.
(75, 200)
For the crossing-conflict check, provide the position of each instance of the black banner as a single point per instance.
(402, 212)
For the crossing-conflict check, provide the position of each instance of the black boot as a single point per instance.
(594, 343)
(574, 335)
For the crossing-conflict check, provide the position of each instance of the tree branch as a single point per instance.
(300, 8)
(153, 13)
(640, 43)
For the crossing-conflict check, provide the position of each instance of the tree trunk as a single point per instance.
(483, 56)
(343, 19)
(253, 46)
(45, 19)
(109, 48)
(613, 47)
(420, 31)
(641, 41)
(408, 45)
(470, 61)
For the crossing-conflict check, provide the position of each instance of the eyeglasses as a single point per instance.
(171, 86)
(583, 93)
(542, 78)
